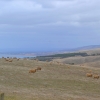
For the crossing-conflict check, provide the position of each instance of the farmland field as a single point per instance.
(55, 81)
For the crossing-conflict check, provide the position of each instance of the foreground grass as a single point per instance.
(53, 82)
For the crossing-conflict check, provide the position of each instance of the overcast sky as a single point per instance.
(47, 25)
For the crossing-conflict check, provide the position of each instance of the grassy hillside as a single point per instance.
(84, 53)
(91, 51)
(79, 60)
(56, 81)
(63, 55)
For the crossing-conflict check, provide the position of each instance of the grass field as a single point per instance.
(54, 82)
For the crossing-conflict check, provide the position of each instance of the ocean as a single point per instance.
(15, 55)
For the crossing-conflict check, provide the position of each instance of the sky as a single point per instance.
(48, 25)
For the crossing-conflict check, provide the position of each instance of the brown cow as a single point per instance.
(10, 60)
(89, 74)
(6, 59)
(96, 76)
(38, 68)
(32, 71)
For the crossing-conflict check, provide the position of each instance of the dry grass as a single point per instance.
(79, 60)
(92, 51)
(52, 82)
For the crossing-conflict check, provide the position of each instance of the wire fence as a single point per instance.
(1, 96)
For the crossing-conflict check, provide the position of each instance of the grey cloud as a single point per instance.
(36, 13)
(57, 23)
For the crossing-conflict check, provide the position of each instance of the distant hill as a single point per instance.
(78, 49)
(88, 47)
(81, 48)
(93, 50)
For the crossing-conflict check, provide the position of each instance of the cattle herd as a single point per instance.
(95, 76)
(89, 74)
(10, 59)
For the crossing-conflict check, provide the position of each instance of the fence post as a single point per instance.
(1, 96)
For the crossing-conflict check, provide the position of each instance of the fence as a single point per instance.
(1, 96)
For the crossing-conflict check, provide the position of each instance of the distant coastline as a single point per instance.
(15, 55)
(35, 54)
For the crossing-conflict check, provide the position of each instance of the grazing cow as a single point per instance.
(32, 71)
(6, 59)
(38, 68)
(68, 66)
(89, 74)
(96, 76)
(10, 60)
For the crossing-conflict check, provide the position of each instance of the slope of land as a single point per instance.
(56, 81)
(79, 60)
